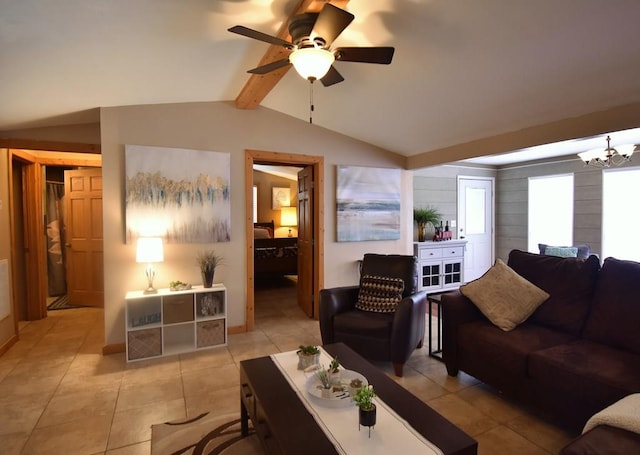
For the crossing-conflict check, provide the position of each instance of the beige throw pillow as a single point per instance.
(503, 296)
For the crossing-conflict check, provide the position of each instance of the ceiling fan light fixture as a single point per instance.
(312, 62)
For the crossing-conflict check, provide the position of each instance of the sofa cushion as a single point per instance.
(570, 283)
(616, 306)
(506, 352)
(604, 439)
(596, 374)
(583, 250)
(503, 296)
(379, 294)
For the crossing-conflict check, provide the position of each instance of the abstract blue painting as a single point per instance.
(368, 203)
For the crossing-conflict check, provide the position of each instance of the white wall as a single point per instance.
(220, 127)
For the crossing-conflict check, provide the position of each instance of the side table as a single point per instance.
(435, 351)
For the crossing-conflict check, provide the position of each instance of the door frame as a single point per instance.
(33, 163)
(263, 157)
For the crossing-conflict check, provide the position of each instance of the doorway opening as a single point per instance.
(309, 240)
(29, 222)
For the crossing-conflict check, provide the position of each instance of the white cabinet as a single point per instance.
(440, 265)
(173, 322)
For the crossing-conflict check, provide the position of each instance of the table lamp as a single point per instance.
(149, 250)
(288, 218)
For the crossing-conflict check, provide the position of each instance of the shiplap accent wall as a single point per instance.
(511, 203)
(437, 186)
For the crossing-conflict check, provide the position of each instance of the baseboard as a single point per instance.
(237, 329)
(114, 348)
(6, 346)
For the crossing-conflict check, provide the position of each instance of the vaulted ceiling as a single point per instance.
(463, 71)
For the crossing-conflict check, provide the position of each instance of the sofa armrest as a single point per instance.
(407, 331)
(332, 302)
(456, 310)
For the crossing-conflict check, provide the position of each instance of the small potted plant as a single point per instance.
(307, 356)
(366, 407)
(334, 370)
(208, 260)
(424, 216)
(324, 378)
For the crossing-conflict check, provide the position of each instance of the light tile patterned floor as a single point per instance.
(59, 395)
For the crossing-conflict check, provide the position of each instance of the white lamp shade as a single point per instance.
(311, 62)
(288, 216)
(149, 249)
(593, 154)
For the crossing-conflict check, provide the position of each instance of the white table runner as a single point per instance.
(392, 434)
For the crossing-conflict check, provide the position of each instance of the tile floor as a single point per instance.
(59, 395)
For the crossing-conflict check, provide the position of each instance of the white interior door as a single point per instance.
(475, 224)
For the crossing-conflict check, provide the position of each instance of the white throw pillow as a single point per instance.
(503, 296)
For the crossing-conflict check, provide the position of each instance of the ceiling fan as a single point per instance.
(311, 37)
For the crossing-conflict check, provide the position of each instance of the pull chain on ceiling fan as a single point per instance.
(311, 55)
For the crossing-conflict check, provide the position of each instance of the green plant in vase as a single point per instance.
(208, 260)
(307, 356)
(425, 216)
(366, 407)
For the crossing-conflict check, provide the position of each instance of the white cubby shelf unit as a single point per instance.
(175, 322)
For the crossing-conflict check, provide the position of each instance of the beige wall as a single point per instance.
(221, 127)
(7, 325)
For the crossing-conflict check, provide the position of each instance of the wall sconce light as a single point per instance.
(149, 250)
(289, 218)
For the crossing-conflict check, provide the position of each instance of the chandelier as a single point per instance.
(604, 158)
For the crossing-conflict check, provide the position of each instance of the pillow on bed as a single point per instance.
(261, 233)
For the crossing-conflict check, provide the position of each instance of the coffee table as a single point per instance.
(284, 425)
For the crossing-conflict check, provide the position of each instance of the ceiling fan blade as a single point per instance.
(248, 32)
(264, 69)
(332, 77)
(330, 23)
(382, 55)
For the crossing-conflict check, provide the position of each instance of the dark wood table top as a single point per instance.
(296, 430)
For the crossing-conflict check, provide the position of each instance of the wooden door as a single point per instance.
(305, 241)
(84, 247)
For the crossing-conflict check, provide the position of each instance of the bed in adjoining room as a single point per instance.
(273, 256)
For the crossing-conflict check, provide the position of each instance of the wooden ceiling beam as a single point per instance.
(259, 85)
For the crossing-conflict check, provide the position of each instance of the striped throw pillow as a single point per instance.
(379, 294)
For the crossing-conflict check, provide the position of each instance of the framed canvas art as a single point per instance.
(280, 197)
(179, 194)
(368, 203)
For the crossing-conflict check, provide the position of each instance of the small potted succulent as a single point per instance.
(334, 370)
(307, 356)
(326, 383)
(366, 407)
(208, 260)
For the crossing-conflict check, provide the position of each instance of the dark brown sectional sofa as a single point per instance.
(576, 354)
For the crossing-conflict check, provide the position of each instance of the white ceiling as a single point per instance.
(462, 70)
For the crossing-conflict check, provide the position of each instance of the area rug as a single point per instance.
(206, 434)
(61, 303)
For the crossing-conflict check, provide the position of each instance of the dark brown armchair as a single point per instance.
(377, 336)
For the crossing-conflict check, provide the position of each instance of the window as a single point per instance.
(620, 215)
(255, 203)
(550, 211)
